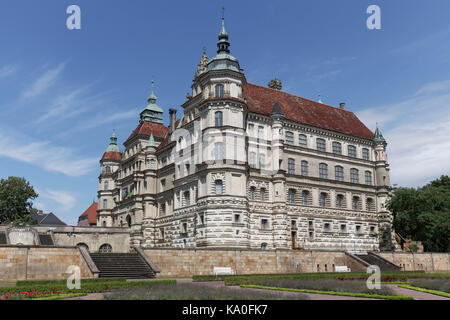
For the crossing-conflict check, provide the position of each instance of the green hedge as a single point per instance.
(347, 294)
(88, 287)
(22, 283)
(439, 293)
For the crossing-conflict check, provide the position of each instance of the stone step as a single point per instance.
(122, 265)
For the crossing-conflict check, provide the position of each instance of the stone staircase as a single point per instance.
(122, 265)
(373, 259)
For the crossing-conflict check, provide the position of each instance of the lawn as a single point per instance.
(432, 284)
(190, 291)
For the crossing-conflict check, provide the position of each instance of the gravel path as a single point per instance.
(417, 295)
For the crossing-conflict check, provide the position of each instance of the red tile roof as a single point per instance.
(146, 128)
(91, 212)
(167, 136)
(112, 156)
(261, 99)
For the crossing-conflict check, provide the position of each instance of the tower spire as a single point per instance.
(223, 44)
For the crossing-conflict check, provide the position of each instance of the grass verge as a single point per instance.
(61, 296)
(439, 293)
(348, 294)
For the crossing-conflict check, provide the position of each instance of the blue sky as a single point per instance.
(63, 91)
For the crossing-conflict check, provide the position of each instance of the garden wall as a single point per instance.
(31, 262)
(188, 262)
(419, 261)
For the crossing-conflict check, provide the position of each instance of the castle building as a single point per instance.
(247, 166)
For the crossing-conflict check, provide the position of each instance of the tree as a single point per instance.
(16, 195)
(423, 214)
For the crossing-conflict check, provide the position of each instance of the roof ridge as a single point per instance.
(293, 95)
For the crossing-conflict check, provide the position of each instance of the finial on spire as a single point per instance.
(320, 99)
(223, 13)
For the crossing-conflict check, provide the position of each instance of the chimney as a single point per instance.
(173, 117)
(275, 84)
(40, 212)
(342, 105)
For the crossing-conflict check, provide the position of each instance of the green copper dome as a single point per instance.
(223, 60)
(113, 147)
(378, 137)
(152, 112)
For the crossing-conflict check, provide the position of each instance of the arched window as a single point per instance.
(368, 178)
(291, 196)
(219, 185)
(107, 169)
(354, 176)
(219, 118)
(252, 193)
(323, 171)
(105, 248)
(365, 154)
(339, 173)
(128, 219)
(352, 151)
(289, 137)
(83, 245)
(305, 195)
(252, 160)
(320, 143)
(106, 185)
(291, 166)
(302, 141)
(105, 204)
(355, 203)
(219, 91)
(337, 148)
(304, 168)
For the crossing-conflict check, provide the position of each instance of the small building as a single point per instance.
(47, 219)
(89, 217)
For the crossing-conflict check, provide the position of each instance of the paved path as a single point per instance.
(417, 295)
(90, 296)
(309, 296)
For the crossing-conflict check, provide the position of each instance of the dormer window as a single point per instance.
(219, 91)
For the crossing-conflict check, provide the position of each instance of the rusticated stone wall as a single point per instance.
(188, 262)
(419, 261)
(30, 262)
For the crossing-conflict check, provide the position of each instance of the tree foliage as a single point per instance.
(423, 214)
(16, 195)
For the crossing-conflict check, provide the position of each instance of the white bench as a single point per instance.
(341, 269)
(223, 271)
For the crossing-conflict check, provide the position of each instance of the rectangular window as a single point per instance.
(163, 184)
(323, 171)
(262, 161)
(251, 130)
(164, 161)
(326, 227)
(264, 224)
(252, 160)
(262, 194)
(323, 199)
(358, 229)
(343, 228)
(305, 195)
(355, 203)
(218, 187)
(339, 200)
(252, 193)
(354, 176)
(302, 141)
(321, 145)
(187, 198)
(201, 219)
(368, 176)
(237, 218)
(289, 137)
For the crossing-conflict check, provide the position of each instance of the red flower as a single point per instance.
(6, 297)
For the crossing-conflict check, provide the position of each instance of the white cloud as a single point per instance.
(44, 82)
(64, 199)
(45, 155)
(7, 71)
(418, 134)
